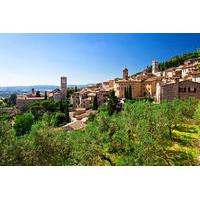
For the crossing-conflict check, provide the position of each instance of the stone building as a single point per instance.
(150, 86)
(188, 69)
(178, 89)
(196, 76)
(55, 95)
(61, 93)
(169, 73)
(121, 85)
(160, 85)
(142, 85)
(154, 83)
(102, 96)
(111, 84)
(180, 82)
(85, 97)
(24, 100)
(75, 99)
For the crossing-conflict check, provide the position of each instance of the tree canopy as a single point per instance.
(23, 123)
(143, 133)
(178, 60)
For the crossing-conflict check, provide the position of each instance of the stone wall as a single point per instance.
(182, 90)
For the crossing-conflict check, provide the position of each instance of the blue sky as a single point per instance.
(29, 59)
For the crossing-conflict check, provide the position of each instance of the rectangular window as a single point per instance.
(182, 89)
(192, 90)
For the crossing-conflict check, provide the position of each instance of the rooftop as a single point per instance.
(29, 98)
(154, 78)
(75, 125)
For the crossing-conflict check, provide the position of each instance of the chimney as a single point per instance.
(33, 92)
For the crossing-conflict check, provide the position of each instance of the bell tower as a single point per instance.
(125, 73)
(63, 86)
(155, 67)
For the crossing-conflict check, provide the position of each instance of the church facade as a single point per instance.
(143, 85)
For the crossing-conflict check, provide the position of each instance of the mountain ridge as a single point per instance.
(7, 90)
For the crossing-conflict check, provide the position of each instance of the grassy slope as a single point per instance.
(185, 147)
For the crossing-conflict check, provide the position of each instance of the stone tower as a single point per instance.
(63, 86)
(125, 73)
(155, 67)
(33, 92)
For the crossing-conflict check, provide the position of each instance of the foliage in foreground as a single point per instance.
(143, 134)
(43, 146)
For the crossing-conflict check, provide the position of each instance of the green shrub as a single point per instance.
(36, 111)
(23, 123)
(60, 119)
(48, 105)
(91, 117)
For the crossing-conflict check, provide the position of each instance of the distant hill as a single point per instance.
(4, 91)
(173, 62)
(178, 60)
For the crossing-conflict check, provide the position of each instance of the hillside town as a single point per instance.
(159, 104)
(181, 82)
(176, 82)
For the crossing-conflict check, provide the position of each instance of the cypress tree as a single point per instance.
(61, 106)
(67, 113)
(95, 103)
(130, 92)
(45, 95)
(112, 103)
(125, 93)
